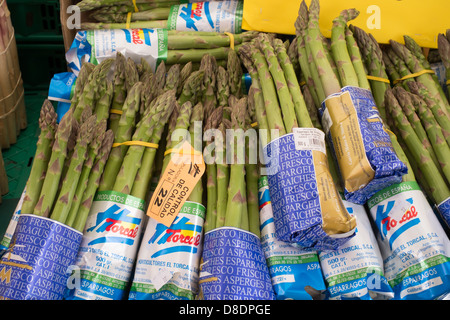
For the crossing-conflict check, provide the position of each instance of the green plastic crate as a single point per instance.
(36, 21)
(39, 62)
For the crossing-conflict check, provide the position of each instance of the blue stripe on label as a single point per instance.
(271, 220)
(429, 284)
(89, 287)
(402, 229)
(188, 249)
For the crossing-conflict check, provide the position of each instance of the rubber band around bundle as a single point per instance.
(136, 143)
(128, 20)
(254, 124)
(136, 9)
(302, 83)
(417, 74)
(448, 82)
(231, 39)
(116, 111)
(378, 79)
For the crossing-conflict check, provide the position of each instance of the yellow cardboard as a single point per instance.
(384, 19)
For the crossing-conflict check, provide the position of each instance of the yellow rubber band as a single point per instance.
(136, 9)
(302, 83)
(379, 79)
(409, 76)
(180, 151)
(231, 39)
(389, 131)
(116, 111)
(128, 20)
(448, 82)
(136, 143)
(254, 124)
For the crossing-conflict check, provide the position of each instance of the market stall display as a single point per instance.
(13, 117)
(215, 163)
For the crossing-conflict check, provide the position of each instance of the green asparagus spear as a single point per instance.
(196, 140)
(94, 148)
(93, 182)
(70, 182)
(132, 25)
(147, 15)
(48, 126)
(211, 170)
(223, 176)
(237, 198)
(159, 112)
(329, 80)
(124, 133)
(273, 111)
(421, 156)
(355, 56)
(293, 85)
(55, 166)
(347, 73)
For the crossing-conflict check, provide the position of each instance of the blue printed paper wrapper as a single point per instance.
(35, 266)
(307, 208)
(360, 143)
(108, 250)
(414, 246)
(296, 274)
(168, 261)
(97, 45)
(355, 271)
(444, 210)
(209, 16)
(234, 267)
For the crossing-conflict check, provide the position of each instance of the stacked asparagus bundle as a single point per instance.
(280, 107)
(49, 192)
(12, 105)
(406, 63)
(422, 138)
(231, 175)
(114, 14)
(333, 69)
(444, 53)
(328, 64)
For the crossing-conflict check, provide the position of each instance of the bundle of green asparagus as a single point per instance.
(144, 14)
(405, 63)
(422, 139)
(51, 193)
(328, 64)
(280, 107)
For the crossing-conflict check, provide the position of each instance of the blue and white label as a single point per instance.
(234, 267)
(4, 244)
(35, 266)
(355, 271)
(167, 265)
(108, 250)
(291, 268)
(209, 16)
(414, 246)
(96, 46)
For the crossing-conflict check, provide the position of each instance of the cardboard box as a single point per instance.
(66, 14)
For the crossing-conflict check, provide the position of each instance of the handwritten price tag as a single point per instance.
(182, 174)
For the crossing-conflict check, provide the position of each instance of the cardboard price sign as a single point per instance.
(182, 174)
